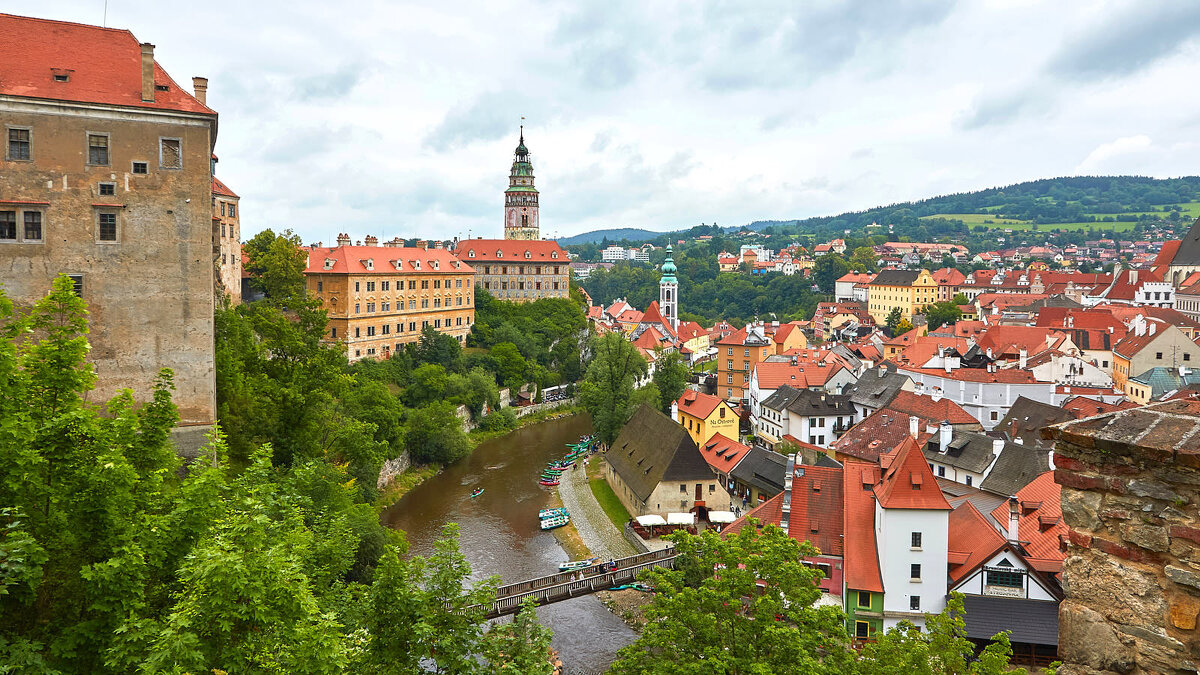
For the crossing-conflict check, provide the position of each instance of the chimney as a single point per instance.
(1152, 327)
(1014, 514)
(1133, 276)
(343, 239)
(945, 433)
(882, 371)
(372, 240)
(936, 394)
(785, 511)
(997, 446)
(1070, 321)
(675, 410)
(1024, 359)
(422, 244)
(147, 71)
(914, 426)
(200, 87)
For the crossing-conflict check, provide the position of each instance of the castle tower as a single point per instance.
(668, 292)
(521, 197)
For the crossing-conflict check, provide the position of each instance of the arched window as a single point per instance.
(499, 253)
(471, 253)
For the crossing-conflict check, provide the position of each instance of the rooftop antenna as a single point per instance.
(104, 22)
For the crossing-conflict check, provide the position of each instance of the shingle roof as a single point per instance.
(895, 277)
(808, 403)
(925, 407)
(774, 375)
(908, 483)
(651, 449)
(1015, 468)
(816, 509)
(967, 450)
(1031, 621)
(698, 404)
(858, 524)
(972, 536)
(220, 188)
(102, 65)
(762, 469)
(383, 260)
(1027, 417)
(876, 391)
(781, 398)
(722, 453)
(512, 250)
(880, 432)
(1040, 526)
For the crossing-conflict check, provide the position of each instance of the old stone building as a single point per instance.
(227, 221)
(1130, 495)
(381, 297)
(106, 177)
(520, 271)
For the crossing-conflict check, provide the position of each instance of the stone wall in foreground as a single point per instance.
(1131, 486)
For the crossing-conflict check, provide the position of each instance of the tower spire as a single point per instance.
(521, 197)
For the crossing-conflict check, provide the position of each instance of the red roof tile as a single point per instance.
(1041, 525)
(698, 404)
(383, 260)
(973, 536)
(722, 453)
(511, 250)
(909, 482)
(1006, 375)
(801, 376)
(103, 65)
(219, 188)
(880, 432)
(858, 524)
(908, 403)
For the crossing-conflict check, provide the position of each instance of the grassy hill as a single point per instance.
(617, 234)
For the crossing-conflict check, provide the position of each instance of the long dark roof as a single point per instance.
(1027, 417)
(651, 449)
(873, 391)
(782, 397)
(808, 403)
(1031, 621)
(763, 469)
(967, 450)
(1015, 468)
(1189, 247)
(895, 278)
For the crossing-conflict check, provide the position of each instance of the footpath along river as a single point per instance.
(500, 532)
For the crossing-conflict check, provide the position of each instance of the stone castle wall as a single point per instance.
(1131, 488)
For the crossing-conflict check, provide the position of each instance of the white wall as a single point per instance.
(982, 399)
(973, 584)
(893, 536)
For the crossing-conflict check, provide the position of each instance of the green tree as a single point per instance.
(276, 265)
(511, 366)
(521, 647)
(434, 434)
(427, 384)
(608, 387)
(864, 259)
(942, 313)
(893, 320)
(903, 327)
(828, 269)
(671, 376)
(437, 347)
(757, 614)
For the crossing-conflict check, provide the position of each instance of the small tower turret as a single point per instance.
(521, 197)
(668, 292)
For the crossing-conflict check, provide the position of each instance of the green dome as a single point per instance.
(668, 267)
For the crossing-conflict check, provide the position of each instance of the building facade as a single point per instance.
(704, 416)
(521, 197)
(381, 297)
(737, 354)
(227, 219)
(519, 271)
(910, 291)
(105, 176)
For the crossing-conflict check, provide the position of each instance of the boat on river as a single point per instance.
(556, 521)
(577, 565)
(550, 513)
(548, 483)
(476, 492)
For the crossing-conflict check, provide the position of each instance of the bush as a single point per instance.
(501, 420)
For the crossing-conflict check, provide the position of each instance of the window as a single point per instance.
(357, 308)
(914, 571)
(1158, 355)
(412, 285)
(916, 540)
(995, 416)
(712, 488)
(232, 210)
(969, 481)
(864, 599)
(370, 286)
(729, 352)
(8, 225)
(19, 144)
(98, 149)
(1006, 578)
(333, 332)
(222, 208)
(108, 189)
(370, 308)
(357, 332)
(106, 226)
(1187, 356)
(914, 602)
(77, 283)
(941, 472)
(385, 306)
(683, 489)
(140, 167)
(169, 153)
(33, 226)
(320, 286)
(370, 331)
(862, 630)
(384, 285)
(357, 286)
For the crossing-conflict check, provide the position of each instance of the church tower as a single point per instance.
(521, 197)
(668, 292)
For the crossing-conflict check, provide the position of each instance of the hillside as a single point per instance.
(614, 235)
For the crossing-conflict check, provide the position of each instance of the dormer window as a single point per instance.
(329, 263)
(370, 264)
(471, 253)
(436, 265)
(416, 264)
(62, 78)
(527, 254)
(499, 253)
(398, 265)
(554, 255)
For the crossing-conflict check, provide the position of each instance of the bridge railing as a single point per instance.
(511, 603)
(561, 578)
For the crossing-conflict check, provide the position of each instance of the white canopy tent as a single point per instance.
(721, 517)
(649, 521)
(681, 519)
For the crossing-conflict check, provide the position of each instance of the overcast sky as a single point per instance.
(400, 119)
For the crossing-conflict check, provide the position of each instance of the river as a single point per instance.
(500, 534)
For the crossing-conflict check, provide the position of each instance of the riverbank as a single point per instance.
(477, 436)
(403, 483)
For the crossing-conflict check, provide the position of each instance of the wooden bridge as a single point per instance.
(567, 585)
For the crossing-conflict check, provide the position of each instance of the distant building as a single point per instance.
(519, 271)
(521, 197)
(227, 214)
(381, 297)
(910, 291)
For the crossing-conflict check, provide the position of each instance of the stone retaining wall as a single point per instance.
(634, 540)
(1130, 489)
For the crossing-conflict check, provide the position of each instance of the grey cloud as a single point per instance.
(601, 142)
(1005, 107)
(489, 117)
(335, 84)
(1128, 41)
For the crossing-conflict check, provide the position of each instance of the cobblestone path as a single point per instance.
(597, 531)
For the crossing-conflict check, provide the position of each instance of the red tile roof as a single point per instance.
(103, 65)
(880, 432)
(816, 509)
(654, 316)
(511, 250)
(909, 482)
(723, 453)
(1041, 525)
(801, 376)
(1082, 406)
(353, 259)
(858, 524)
(1167, 253)
(908, 403)
(973, 538)
(219, 188)
(698, 404)
(689, 330)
